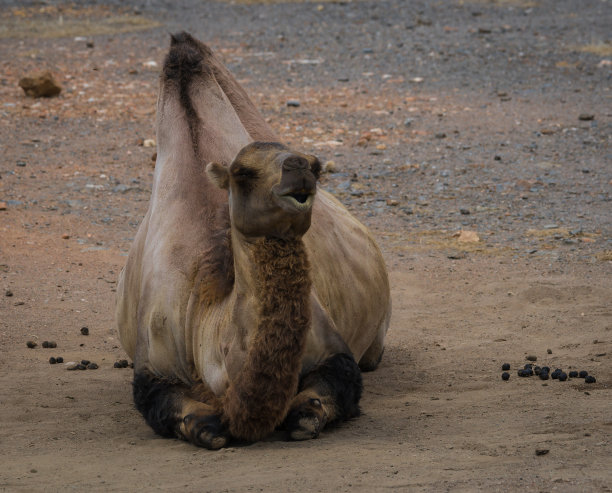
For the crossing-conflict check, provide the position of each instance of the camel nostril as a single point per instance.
(300, 197)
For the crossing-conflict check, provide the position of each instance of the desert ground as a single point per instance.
(471, 137)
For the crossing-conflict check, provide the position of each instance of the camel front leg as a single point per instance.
(173, 409)
(328, 394)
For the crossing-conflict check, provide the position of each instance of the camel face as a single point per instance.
(271, 190)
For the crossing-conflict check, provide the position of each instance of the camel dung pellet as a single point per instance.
(85, 362)
(31, 344)
(562, 376)
(528, 366)
(506, 366)
(583, 374)
(117, 365)
(92, 366)
(573, 374)
(544, 375)
(59, 359)
(531, 357)
(505, 375)
(124, 363)
(546, 369)
(81, 366)
(45, 344)
(85, 331)
(537, 370)
(590, 379)
(52, 360)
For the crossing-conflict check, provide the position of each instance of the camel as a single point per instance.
(251, 300)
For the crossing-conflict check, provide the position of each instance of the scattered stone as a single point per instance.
(531, 357)
(542, 451)
(21, 164)
(590, 379)
(8, 293)
(392, 202)
(40, 85)
(148, 143)
(549, 351)
(89, 44)
(85, 331)
(440, 135)
(65, 236)
(505, 375)
(293, 103)
(506, 366)
(465, 212)
(583, 374)
(586, 117)
(31, 344)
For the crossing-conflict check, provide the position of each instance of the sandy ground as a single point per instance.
(75, 179)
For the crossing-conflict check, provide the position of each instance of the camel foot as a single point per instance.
(306, 418)
(205, 431)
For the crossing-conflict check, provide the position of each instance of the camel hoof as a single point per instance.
(205, 431)
(306, 421)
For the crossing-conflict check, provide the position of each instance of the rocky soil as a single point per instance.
(471, 137)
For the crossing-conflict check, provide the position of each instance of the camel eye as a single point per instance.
(243, 173)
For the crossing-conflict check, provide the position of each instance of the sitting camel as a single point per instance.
(250, 300)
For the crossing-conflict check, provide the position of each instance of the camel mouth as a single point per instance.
(300, 200)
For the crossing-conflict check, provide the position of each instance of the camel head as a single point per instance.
(271, 190)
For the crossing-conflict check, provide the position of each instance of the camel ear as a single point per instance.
(218, 174)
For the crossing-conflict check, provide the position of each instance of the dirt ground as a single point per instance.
(490, 118)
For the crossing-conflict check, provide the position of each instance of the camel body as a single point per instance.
(186, 297)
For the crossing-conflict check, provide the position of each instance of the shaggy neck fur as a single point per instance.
(257, 400)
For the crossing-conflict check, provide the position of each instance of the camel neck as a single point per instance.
(257, 400)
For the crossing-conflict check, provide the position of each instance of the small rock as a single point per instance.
(549, 351)
(392, 202)
(542, 451)
(586, 117)
(31, 344)
(40, 85)
(89, 44)
(8, 293)
(148, 143)
(531, 357)
(84, 331)
(440, 135)
(465, 212)
(65, 236)
(293, 103)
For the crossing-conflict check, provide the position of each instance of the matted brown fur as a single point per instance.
(258, 400)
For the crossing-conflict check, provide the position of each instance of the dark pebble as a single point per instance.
(440, 135)
(59, 359)
(544, 375)
(92, 366)
(562, 376)
(293, 103)
(31, 344)
(586, 117)
(583, 374)
(52, 360)
(8, 292)
(85, 362)
(542, 451)
(590, 379)
(506, 366)
(573, 374)
(531, 357)
(505, 375)
(549, 351)
(84, 331)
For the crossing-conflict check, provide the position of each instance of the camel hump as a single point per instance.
(185, 58)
